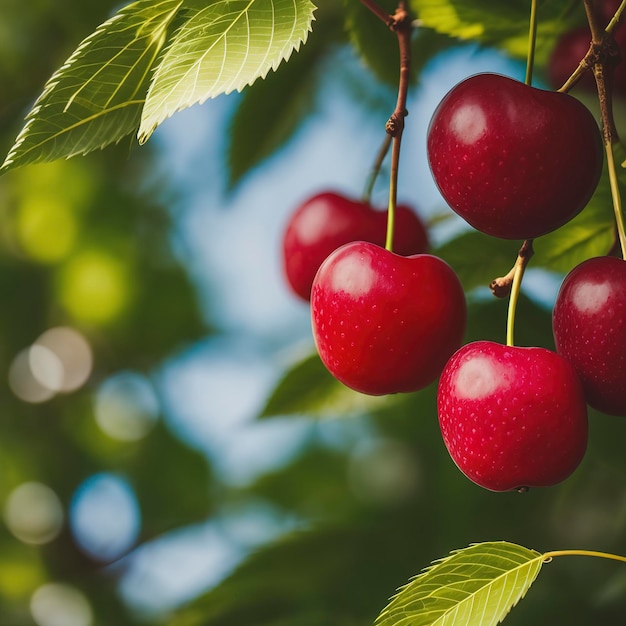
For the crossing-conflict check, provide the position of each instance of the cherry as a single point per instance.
(514, 161)
(512, 417)
(589, 324)
(328, 220)
(384, 323)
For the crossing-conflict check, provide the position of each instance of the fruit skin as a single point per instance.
(512, 417)
(384, 323)
(514, 161)
(589, 325)
(328, 220)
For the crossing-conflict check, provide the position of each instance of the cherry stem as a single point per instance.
(532, 40)
(616, 196)
(603, 44)
(378, 163)
(511, 284)
(548, 556)
(600, 48)
(401, 23)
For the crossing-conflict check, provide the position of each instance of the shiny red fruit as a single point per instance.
(328, 220)
(384, 323)
(514, 161)
(512, 417)
(589, 324)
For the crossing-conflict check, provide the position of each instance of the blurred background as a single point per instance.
(170, 453)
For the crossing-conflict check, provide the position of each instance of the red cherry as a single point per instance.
(514, 161)
(589, 324)
(384, 323)
(512, 417)
(328, 220)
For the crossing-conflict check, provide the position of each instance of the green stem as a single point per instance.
(532, 39)
(603, 555)
(523, 257)
(615, 193)
(403, 27)
(393, 192)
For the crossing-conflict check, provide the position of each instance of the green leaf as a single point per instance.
(309, 388)
(495, 22)
(96, 97)
(476, 586)
(477, 258)
(223, 46)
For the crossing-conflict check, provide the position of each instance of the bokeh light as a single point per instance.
(22, 380)
(94, 287)
(59, 361)
(59, 604)
(105, 517)
(33, 513)
(73, 353)
(126, 406)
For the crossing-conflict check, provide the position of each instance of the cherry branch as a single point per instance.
(400, 23)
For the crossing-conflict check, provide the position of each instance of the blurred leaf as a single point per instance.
(171, 481)
(309, 388)
(375, 43)
(492, 22)
(333, 574)
(223, 46)
(96, 97)
(477, 258)
(476, 586)
(272, 110)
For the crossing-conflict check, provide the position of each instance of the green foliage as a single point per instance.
(476, 586)
(503, 24)
(308, 388)
(220, 48)
(99, 94)
(373, 502)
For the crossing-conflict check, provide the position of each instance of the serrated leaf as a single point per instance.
(475, 586)
(495, 22)
(97, 96)
(223, 46)
(309, 388)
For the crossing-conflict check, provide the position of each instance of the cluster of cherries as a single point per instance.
(516, 162)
